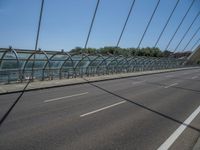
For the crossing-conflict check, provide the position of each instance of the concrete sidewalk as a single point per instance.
(37, 85)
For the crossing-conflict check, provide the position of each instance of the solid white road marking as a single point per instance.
(171, 85)
(95, 111)
(194, 77)
(166, 145)
(59, 98)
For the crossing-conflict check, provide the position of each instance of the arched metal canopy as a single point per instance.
(60, 64)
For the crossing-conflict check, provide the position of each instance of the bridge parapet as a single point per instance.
(16, 65)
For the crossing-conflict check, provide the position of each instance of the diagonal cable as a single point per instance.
(194, 51)
(148, 24)
(195, 44)
(195, 33)
(179, 25)
(91, 25)
(187, 31)
(129, 13)
(166, 23)
(36, 45)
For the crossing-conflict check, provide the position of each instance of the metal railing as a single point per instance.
(15, 65)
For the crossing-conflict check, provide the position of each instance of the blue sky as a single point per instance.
(66, 23)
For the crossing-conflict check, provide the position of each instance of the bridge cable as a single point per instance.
(187, 31)
(37, 37)
(169, 18)
(179, 25)
(91, 25)
(148, 24)
(127, 18)
(195, 33)
(195, 44)
(36, 45)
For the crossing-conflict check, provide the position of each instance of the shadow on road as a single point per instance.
(144, 107)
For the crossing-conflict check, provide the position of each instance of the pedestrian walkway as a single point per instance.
(17, 87)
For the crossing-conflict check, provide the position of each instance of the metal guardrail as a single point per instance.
(15, 65)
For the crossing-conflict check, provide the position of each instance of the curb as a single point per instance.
(99, 80)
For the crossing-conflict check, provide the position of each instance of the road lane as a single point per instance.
(184, 140)
(57, 125)
(168, 143)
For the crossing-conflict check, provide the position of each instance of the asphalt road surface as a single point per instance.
(149, 112)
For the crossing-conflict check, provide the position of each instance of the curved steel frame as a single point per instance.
(62, 65)
(105, 59)
(64, 61)
(17, 58)
(99, 56)
(84, 56)
(36, 52)
(109, 63)
(4, 54)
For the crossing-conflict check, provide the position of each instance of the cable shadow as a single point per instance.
(144, 107)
